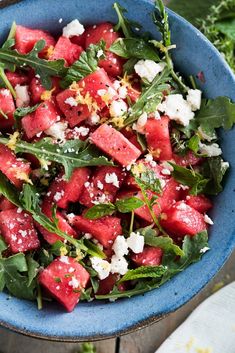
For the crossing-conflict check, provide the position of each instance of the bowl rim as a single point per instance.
(153, 318)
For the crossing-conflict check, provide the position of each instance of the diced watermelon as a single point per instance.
(107, 284)
(112, 64)
(98, 189)
(79, 40)
(171, 193)
(65, 49)
(132, 137)
(18, 231)
(150, 256)
(181, 219)
(7, 106)
(115, 145)
(133, 93)
(187, 160)
(103, 31)
(36, 89)
(15, 169)
(104, 229)
(74, 114)
(5, 204)
(40, 120)
(17, 78)
(200, 203)
(158, 138)
(65, 279)
(62, 191)
(26, 38)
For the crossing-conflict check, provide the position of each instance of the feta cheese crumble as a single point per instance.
(111, 178)
(119, 265)
(205, 249)
(212, 150)
(118, 108)
(148, 69)
(194, 98)
(22, 96)
(208, 220)
(120, 246)
(177, 108)
(57, 130)
(74, 28)
(102, 267)
(136, 242)
(74, 283)
(71, 101)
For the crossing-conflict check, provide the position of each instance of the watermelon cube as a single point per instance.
(112, 64)
(5, 204)
(158, 138)
(187, 160)
(103, 186)
(150, 256)
(7, 107)
(65, 49)
(40, 120)
(26, 38)
(18, 231)
(104, 229)
(15, 169)
(102, 31)
(181, 219)
(65, 279)
(36, 89)
(17, 78)
(62, 191)
(115, 145)
(107, 284)
(200, 203)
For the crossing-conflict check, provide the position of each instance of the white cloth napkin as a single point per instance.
(209, 329)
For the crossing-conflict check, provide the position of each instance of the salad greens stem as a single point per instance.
(7, 82)
(12, 32)
(132, 221)
(39, 297)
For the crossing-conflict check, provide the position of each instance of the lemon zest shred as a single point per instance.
(63, 251)
(46, 95)
(12, 140)
(138, 169)
(23, 176)
(44, 164)
(49, 51)
(118, 121)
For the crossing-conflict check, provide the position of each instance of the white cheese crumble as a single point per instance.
(182, 206)
(194, 98)
(111, 178)
(208, 220)
(100, 185)
(120, 246)
(83, 131)
(74, 28)
(166, 171)
(22, 94)
(102, 267)
(118, 108)
(100, 52)
(177, 108)
(205, 249)
(94, 119)
(204, 136)
(136, 242)
(64, 259)
(71, 101)
(122, 91)
(148, 69)
(212, 150)
(57, 130)
(141, 122)
(74, 283)
(119, 265)
(5, 92)
(58, 195)
(149, 159)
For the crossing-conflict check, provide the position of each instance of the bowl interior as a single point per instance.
(97, 320)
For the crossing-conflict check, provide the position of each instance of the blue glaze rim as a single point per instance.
(99, 320)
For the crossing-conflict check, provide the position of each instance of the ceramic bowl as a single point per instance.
(98, 320)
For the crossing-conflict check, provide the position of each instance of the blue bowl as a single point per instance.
(98, 320)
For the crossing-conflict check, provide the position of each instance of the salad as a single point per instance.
(108, 158)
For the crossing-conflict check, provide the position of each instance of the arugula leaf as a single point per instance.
(85, 65)
(93, 249)
(22, 111)
(193, 143)
(165, 243)
(9, 190)
(3, 245)
(150, 97)
(215, 169)
(72, 154)
(46, 69)
(128, 67)
(12, 277)
(5, 81)
(216, 113)
(196, 181)
(129, 204)
(100, 210)
(143, 272)
(134, 48)
(33, 268)
(124, 24)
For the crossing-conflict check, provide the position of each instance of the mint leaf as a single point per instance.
(44, 68)
(21, 112)
(193, 143)
(33, 268)
(9, 190)
(3, 245)
(215, 169)
(100, 210)
(72, 154)
(148, 180)
(128, 204)
(216, 113)
(134, 48)
(85, 65)
(143, 272)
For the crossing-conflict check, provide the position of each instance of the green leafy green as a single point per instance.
(93, 249)
(148, 180)
(144, 272)
(214, 169)
(128, 67)
(4, 80)
(100, 210)
(193, 143)
(128, 204)
(44, 68)
(196, 181)
(3, 245)
(216, 113)
(134, 48)
(124, 24)
(9, 190)
(71, 154)
(85, 65)
(22, 111)
(150, 97)
(33, 268)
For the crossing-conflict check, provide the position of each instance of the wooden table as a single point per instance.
(143, 341)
